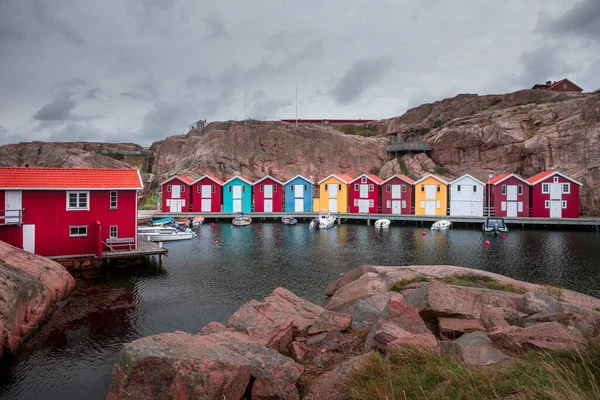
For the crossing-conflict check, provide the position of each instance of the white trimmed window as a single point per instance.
(458, 188)
(363, 180)
(356, 187)
(75, 231)
(388, 203)
(547, 203)
(182, 188)
(503, 206)
(503, 189)
(388, 188)
(403, 203)
(422, 203)
(474, 188)
(78, 200)
(566, 188)
(261, 188)
(439, 204)
(355, 202)
(114, 231)
(545, 188)
(556, 179)
(520, 189)
(371, 203)
(520, 206)
(403, 188)
(371, 188)
(113, 199)
(169, 188)
(564, 204)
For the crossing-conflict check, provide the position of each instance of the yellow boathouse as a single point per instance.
(431, 195)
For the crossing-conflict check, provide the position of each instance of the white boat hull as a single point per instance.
(171, 237)
(441, 225)
(325, 221)
(382, 223)
(157, 234)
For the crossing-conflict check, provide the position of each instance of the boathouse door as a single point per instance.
(511, 193)
(29, 238)
(12, 204)
(555, 191)
(363, 206)
(175, 205)
(333, 205)
(511, 208)
(364, 191)
(176, 192)
(555, 209)
(237, 198)
(299, 205)
(396, 207)
(429, 207)
(268, 205)
(396, 192)
(205, 205)
(430, 192)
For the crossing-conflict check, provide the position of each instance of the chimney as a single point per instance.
(548, 82)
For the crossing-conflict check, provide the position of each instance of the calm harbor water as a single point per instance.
(208, 278)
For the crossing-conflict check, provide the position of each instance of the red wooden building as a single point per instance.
(68, 212)
(564, 85)
(268, 195)
(554, 195)
(364, 194)
(508, 194)
(207, 194)
(397, 195)
(176, 194)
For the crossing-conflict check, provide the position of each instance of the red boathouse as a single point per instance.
(176, 194)
(68, 212)
(207, 193)
(268, 195)
(554, 195)
(397, 195)
(508, 195)
(364, 194)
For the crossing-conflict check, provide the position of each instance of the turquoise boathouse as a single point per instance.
(237, 195)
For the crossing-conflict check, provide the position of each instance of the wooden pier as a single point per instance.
(592, 223)
(144, 248)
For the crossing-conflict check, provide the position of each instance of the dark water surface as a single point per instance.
(208, 278)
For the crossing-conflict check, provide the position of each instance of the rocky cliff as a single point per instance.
(525, 132)
(30, 285)
(276, 148)
(63, 155)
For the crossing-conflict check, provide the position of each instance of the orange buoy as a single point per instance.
(486, 243)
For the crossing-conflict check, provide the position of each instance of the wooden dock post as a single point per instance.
(368, 219)
(339, 219)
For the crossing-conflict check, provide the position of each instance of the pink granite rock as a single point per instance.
(493, 317)
(212, 327)
(406, 317)
(346, 296)
(546, 335)
(385, 335)
(452, 328)
(474, 348)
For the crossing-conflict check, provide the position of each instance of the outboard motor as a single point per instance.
(495, 228)
(316, 223)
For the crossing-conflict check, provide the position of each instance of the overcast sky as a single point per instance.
(141, 70)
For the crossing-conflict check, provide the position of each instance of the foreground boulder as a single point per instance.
(474, 348)
(386, 335)
(178, 366)
(30, 285)
(543, 336)
(275, 320)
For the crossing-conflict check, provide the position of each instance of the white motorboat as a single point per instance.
(494, 225)
(198, 220)
(242, 220)
(382, 223)
(164, 234)
(441, 225)
(323, 221)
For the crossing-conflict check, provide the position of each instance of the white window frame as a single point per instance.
(568, 186)
(356, 187)
(503, 206)
(519, 206)
(371, 203)
(116, 199)
(556, 179)
(168, 188)
(355, 202)
(78, 234)
(474, 188)
(503, 189)
(520, 190)
(182, 188)
(403, 188)
(363, 180)
(563, 204)
(403, 205)
(547, 204)
(78, 208)
(371, 187)
(388, 204)
(388, 188)
(113, 231)
(545, 188)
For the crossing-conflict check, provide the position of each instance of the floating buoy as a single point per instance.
(503, 236)
(212, 224)
(424, 233)
(486, 243)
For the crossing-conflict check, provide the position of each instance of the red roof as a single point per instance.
(555, 84)
(214, 178)
(331, 121)
(496, 179)
(344, 178)
(69, 178)
(372, 177)
(242, 177)
(540, 176)
(186, 179)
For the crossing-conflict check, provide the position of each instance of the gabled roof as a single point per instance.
(69, 178)
(555, 84)
(212, 178)
(467, 176)
(268, 177)
(434, 176)
(371, 177)
(502, 177)
(248, 181)
(183, 178)
(400, 176)
(301, 177)
(340, 177)
(534, 180)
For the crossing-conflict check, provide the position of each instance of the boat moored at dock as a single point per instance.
(164, 234)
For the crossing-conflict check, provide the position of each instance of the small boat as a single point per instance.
(184, 220)
(242, 220)
(164, 234)
(286, 220)
(197, 221)
(323, 221)
(382, 223)
(494, 225)
(161, 221)
(441, 225)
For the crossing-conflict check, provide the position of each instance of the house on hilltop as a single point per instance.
(563, 85)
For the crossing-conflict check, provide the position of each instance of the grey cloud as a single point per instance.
(93, 93)
(59, 109)
(160, 122)
(143, 90)
(215, 26)
(266, 108)
(75, 132)
(542, 64)
(419, 98)
(581, 20)
(362, 75)
(43, 13)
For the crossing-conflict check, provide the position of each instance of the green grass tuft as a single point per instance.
(403, 168)
(398, 286)
(553, 291)
(440, 171)
(420, 374)
(150, 201)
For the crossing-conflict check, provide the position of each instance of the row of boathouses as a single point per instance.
(549, 194)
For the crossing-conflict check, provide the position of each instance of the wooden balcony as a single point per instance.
(11, 217)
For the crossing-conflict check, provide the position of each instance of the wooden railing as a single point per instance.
(121, 243)
(14, 217)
